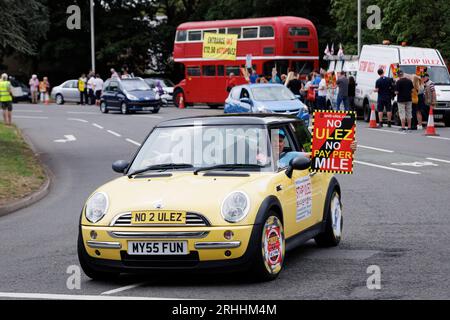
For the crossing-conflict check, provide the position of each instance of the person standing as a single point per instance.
(44, 89)
(231, 82)
(253, 77)
(114, 74)
(275, 78)
(98, 88)
(384, 87)
(342, 96)
(90, 89)
(351, 92)
(322, 93)
(429, 92)
(82, 89)
(34, 88)
(403, 90)
(416, 123)
(6, 99)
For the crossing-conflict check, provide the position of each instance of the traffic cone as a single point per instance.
(373, 118)
(181, 104)
(431, 130)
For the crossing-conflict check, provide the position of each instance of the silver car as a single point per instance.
(167, 86)
(66, 92)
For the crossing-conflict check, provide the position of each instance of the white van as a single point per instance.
(374, 57)
(336, 64)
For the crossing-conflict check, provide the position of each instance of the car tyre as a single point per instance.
(269, 257)
(156, 110)
(334, 221)
(88, 270)
(59, 99)
(123, 108)
(104, 107)
(447, 121)
(366, 111)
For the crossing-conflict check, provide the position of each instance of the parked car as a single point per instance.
(241, 203)
(265, 98)
(20, 91)
(66, 92)
(129, 95)
(167, 86)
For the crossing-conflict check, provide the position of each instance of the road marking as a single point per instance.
(28, 110)
(146, 116)
(417, 164)
(377, 149)
(441, 138)
(50, 296)
(133, 142)
(97, 126)
(81, 112)
(439, 160)
(80, 120)
(389, 131)
(132, 286)
(114, 133)
(69, 138)
(30, 117)
(383, 167)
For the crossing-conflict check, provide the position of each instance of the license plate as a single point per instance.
(147, 109)
(158, 217)
(438, 116)
(157, 248)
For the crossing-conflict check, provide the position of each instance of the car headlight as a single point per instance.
(235, 207)
(157, 96)
(96, 207)
(131, 97)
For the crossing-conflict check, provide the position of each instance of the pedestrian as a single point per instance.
(6, 99)
(231, 82)
(322, 93)
(82, 89)
(98, 88)
(125, 74)
(403, 90)
(275, 78)
(384, 87)
(114, 74)
(416, 119)
(90, 89)
(342, 96)
(44, 89)
(34, 88)
(283, 79)
(351, 92)
(429, 92)
(253, 77)
(421, 108)
(295, 85)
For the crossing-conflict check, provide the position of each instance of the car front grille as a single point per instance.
(288, 111)
(168, 261)
(192, 220)
(443, 105)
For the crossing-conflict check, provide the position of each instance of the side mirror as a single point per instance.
(245, 100)
(299, 163)
(120, 166)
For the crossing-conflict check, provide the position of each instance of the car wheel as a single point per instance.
(333, 223)
(88, 270)
(104, 107)
(366, 111)
(124, 108)
(59, 99)
(395, 115)
(447, 121)
(269, 259)
(214, 106)
(156, 110)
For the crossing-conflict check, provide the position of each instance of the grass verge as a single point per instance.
(20, 171)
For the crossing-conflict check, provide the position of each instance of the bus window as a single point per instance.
(209, 71)
(220, 70)
(209, 31)
(268, 50)
(303, 67)
(281, 65)
(233, 69)
(181, 35)
(301, 45)
(222, 30)
(266, 32)
(298, 31)
(249, 33)
(195, 35)
(193, 71)
(235, 31)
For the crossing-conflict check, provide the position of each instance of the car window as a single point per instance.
(302, 135)
(113, 86)
(244, 94)
(272, 93)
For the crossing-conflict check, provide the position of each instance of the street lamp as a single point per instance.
(359, 27)
(92, 36)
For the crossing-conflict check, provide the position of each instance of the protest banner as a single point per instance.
(395, 68)
(333, 134)
(421, 71)
(219, 46)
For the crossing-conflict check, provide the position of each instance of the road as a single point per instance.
(395, 206)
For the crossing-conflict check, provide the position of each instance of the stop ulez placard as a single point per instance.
(333, 134)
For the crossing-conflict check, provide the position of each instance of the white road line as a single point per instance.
(439, 160)
(36, 111)
(442, 138)
(97, 126)
(81, 112)
(114, 133)
(80, 120)
(146, 116)
(377, 149)
(389, 131)
(132, 286)
(133, 142)
(29, 117)
(21, 295)
(383, 167)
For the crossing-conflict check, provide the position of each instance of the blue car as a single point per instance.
(265, 98)
(129, 95)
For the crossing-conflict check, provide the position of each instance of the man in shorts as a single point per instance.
(384, 88)
(6, 99)
(403, 90)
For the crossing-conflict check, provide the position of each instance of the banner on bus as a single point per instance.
(219, 46)
(333, 134)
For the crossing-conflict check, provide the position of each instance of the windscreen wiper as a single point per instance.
(163, 166)
(229, 166)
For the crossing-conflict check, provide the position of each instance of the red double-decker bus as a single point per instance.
(286, 43)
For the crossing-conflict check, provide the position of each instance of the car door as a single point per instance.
(300, 195)
(111, 94)
(70, 91)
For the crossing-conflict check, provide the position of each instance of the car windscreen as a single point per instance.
(439, 75)
(275, 93)
(135, 85)
(167, 83)
(203, 146)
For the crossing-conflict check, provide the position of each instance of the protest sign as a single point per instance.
(219, 46)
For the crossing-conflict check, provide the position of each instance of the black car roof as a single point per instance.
(230, 119)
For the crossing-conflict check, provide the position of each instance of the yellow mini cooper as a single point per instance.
(211, 193)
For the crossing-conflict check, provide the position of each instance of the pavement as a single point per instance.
(395, 208)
